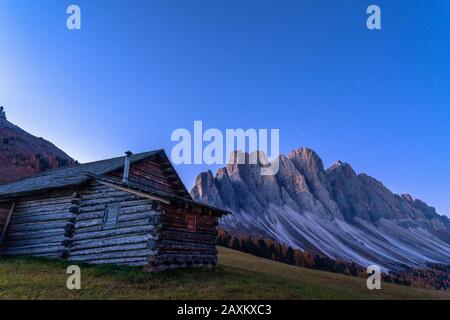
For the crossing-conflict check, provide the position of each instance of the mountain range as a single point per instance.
(334, 212)
(23, 155)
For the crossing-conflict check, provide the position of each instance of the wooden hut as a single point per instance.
(131, 210)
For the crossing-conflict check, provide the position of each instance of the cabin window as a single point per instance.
(191, 223)
(111, 217)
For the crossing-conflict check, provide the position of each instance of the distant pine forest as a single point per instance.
(435, 276)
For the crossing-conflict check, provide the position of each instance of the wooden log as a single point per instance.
(89, 229)
(140, 261)
(123, 212)
(199, 232)
(110, 193)
(146, 215)
(139, 193)
(176, 251)
(33, 251)
(186, 236)
(107, 199)
(124, 224)
(59, 239)
(102, 249)
(185, 244)
(96, 225)
(130, 206)
(35, 234)
(91, 215)
(113, 255)
(18, 228)
(54, 255)
(136, 209)
(180, 256)
(183, 228)
(131, 264)
(139, 230)
(16, 220)
(60, 199)
(34, 245)
(41, 215)
(89, 244)
(88, 220)
(44, 209)
(89, 223)
(153, 237)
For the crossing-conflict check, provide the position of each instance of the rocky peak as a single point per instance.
(407, 197)
(204, 181)
(243, 158)
(2, 113)
(341, 168)
(244, 167)
(306, 158)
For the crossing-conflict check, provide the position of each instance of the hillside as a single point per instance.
(335, 212)
(238, 276)
(23, 155)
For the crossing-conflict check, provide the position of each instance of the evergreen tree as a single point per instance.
(290, 256)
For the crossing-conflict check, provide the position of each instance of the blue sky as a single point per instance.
(137, 70)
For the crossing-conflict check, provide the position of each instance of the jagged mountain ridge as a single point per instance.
(335, 211)
(23, 155)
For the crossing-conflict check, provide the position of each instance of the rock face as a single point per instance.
(23, 155)
(335, 212)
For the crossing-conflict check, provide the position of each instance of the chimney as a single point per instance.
(126, 169)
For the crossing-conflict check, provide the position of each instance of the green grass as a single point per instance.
(238, 276)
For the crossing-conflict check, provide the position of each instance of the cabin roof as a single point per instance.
(68, 176)
(84, 173)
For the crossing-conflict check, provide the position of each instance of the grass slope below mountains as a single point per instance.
(238, 276)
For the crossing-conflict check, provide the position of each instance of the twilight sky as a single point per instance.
(140, 69)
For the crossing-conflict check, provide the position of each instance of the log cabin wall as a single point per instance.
(114, 227)
(39, 225)
(155, 174)
(186, 239)
(99, 224)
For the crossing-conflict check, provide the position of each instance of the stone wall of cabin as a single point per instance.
(40, 225)
(124, 236)
(181, 245)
